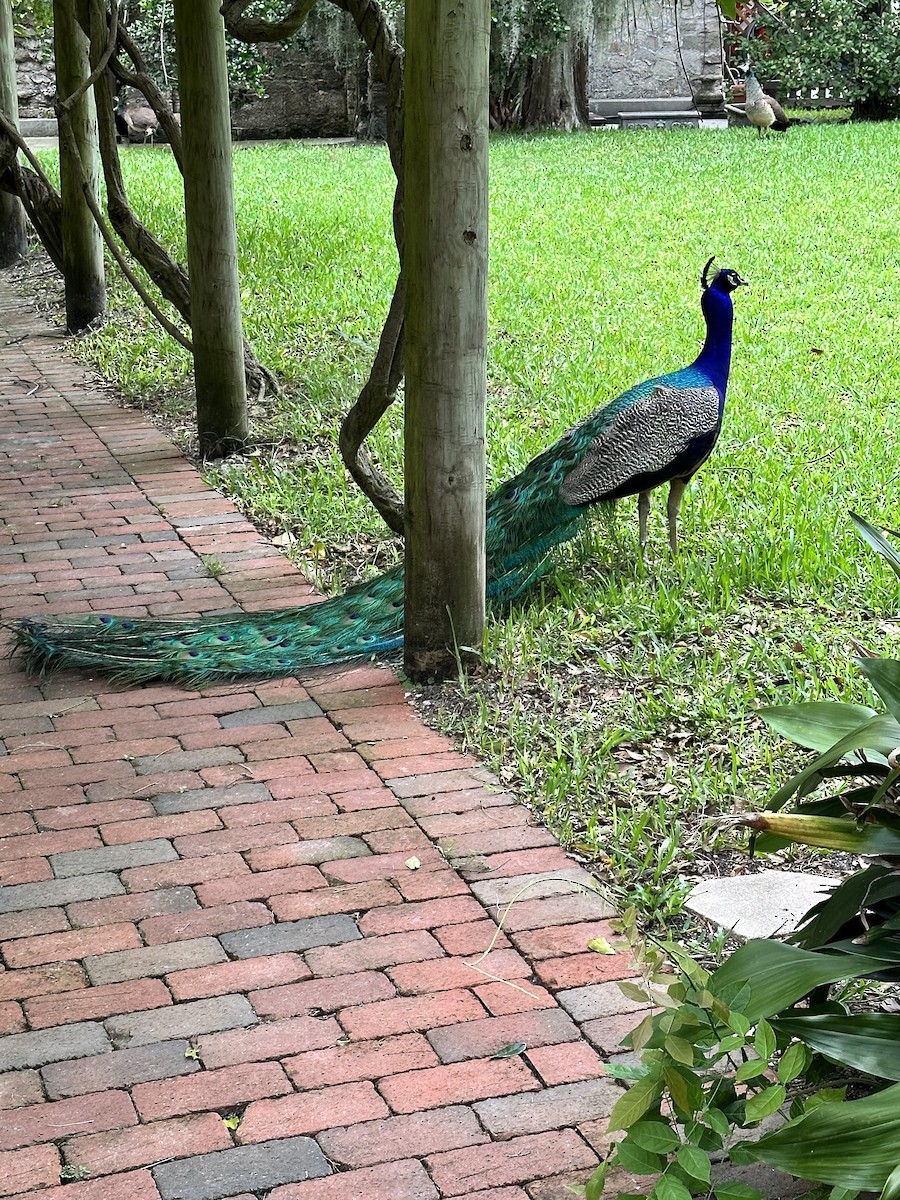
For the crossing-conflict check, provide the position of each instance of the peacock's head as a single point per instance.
(726, 280)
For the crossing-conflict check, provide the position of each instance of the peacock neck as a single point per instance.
(714, 360)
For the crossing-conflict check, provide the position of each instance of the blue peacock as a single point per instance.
(659, 431)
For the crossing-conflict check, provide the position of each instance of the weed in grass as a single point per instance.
(621, 688)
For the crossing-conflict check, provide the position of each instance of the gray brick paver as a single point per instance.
(245, 1168)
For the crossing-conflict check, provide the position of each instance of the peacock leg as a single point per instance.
(676, 491)
(643, 514)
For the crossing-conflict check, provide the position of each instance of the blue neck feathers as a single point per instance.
(714, 360)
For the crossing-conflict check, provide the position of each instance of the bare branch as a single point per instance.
(255, 29)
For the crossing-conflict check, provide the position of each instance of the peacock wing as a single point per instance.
(643, 439)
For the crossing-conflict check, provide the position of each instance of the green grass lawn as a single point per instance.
(619, 699)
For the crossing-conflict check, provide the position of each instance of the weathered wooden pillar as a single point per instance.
(83, 270)
(216, 329)
(446, 256)
(12, 216)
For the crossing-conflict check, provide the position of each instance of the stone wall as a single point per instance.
(35, 78)
(637, 55)
(304, 99)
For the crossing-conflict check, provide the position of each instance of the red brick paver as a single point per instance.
(249, 935)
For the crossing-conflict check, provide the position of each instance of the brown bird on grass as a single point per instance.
(761, 109)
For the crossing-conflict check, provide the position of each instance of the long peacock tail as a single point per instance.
(525, 520)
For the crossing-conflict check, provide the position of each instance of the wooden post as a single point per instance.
(12, 216)
(446, 253)
(216, 329)
(83, 269)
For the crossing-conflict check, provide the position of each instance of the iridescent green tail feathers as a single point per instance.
(658, 432)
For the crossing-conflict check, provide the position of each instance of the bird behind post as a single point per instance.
(659, 431)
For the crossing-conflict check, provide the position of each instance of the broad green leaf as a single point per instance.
(764, 1042)
(728, 9)
(655, 1136)
(824, 1096)
(751, 1069)
(816, 725)
(668, 1188)
(694, 1162)
(877, 541)
(840, 1193)
(736, 1191)
(880, 733)
(829, 915)
(793, 1062)
(868, 1042)
(739, 1023)
(763, 1104)
(831, 833)
(637, 1100)
(638, 1160)
(631, 991)
(779, 975)
(684, 1088)
(680, 1050)
(717, 1120)
(851, 1144)
(891, 1189)
(884, 676)
(641, 1035)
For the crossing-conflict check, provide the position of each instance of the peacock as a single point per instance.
(761, 109)
(659, 431)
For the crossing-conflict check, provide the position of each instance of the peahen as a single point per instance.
(761, 109)
(660, 431)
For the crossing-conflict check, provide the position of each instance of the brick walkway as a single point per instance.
(211, 906)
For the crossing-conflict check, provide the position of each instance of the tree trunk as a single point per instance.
(556, 91)
(85, 281)
(446, 131)
(12, 216)
(216, 328)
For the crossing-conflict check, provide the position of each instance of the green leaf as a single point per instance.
(880, 733)
(793, 1062)
(840, 1193)
(596, 1183)
(884, 676)
(764, 1042)
(816, 725)
(851, 1144)
(824, 1096)
(694, 1162)
(780, 975)
(512, 1050)
(717, 1120)
(632, 991)
(763, 1104)
(600, 946)
(684, 1088)
(891, 1189)
(639, 1099)
(868, 1042)
(728, 9)
(752, 1069)
(638, 1160)
(656, 1136)
(668, 1188)
(736, 1191)
(877, 541)
(680, 1050)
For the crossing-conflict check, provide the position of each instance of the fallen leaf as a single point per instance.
(413, 863)
(600, 946)
(511, 1050)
